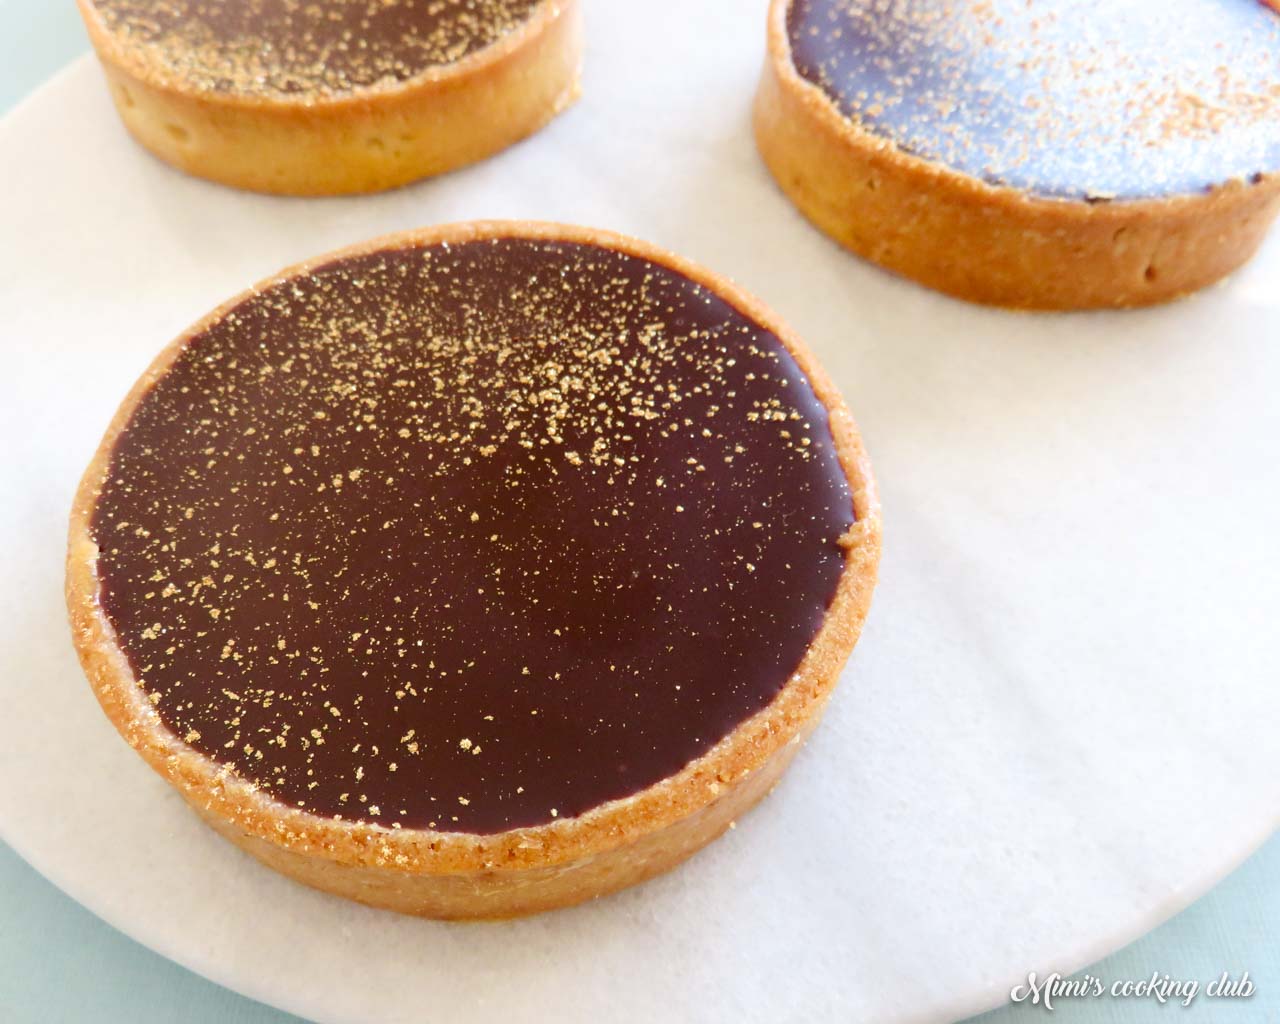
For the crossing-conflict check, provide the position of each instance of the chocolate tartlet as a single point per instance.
(1048, 155)
(475, 571)
(334, 97)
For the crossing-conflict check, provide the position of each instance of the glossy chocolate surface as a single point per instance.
(472, 536)
(1094, 99)
(326, 47)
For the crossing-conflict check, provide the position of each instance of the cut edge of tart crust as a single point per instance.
(524, 870)
(1003, 246)
(374, 138)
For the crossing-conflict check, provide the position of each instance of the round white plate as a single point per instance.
(1060, 726)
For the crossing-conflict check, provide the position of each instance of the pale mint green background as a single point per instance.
(61, 965)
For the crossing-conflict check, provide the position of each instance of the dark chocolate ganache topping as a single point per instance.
(1077, 99)
(471, 536)
(308, 47)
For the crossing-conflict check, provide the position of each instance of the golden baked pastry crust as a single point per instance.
(525, 870)
(1003, 246)
(373, 138)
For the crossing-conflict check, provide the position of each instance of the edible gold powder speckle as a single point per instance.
(433, 577)
(306, 48)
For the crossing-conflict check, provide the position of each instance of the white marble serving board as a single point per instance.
(1061, 724)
